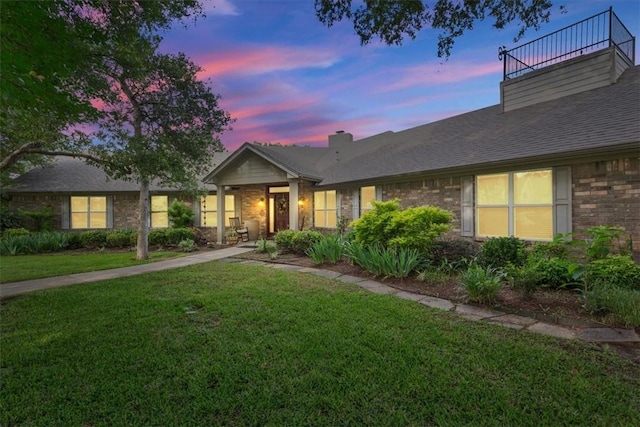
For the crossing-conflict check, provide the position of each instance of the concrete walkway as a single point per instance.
(584, 333)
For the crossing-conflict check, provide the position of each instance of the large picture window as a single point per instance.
(518, 204)
(159, 214)
(88, 212)
(209, 209)
(325, 210)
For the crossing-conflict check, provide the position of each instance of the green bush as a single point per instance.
(41, 220)
(12, 232)
(158, 237)
(482, 284)
(297, 242)
(175, 235)
(36, 243)
(187, 245)
(387, 225)
(94, 239)
(526, 279)
(9, 218)
(453, 251)
(121, 238)
(623, 304)
(329, 249)
(558, 248)
(553, 272)
(498, 252)
(614, 270)
(180, 215)
(267, 246)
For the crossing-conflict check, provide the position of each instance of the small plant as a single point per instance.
(498, 252)
(158, 237)
(482, 284)
(433, 276)
(330, 249)
(267, 246)
(187, 245)
(93, 239)
(385, 262)
(614, 270)
(180, 215)
(623, 304)
(176, 235)
(525, 279)
(601, 241)
(297, 242)
(12, 232)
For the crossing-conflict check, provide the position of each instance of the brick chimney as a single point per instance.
(339, 139)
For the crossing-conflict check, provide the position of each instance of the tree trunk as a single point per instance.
(143, 222)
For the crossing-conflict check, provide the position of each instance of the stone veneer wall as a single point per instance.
(608, 193)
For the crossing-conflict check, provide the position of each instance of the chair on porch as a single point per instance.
(239, 228)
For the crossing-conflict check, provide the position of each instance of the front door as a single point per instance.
(280, 211)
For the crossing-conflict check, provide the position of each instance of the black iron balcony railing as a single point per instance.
(589, 35)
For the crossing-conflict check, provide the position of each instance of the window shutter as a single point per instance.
(562, 218)
(64, 213)
(109, 211)
(338, 205)
(379, 193)
(355, 202)
(196, 212)
(466, 206)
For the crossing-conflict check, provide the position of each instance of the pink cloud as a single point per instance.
(260, 60)
(434, 74)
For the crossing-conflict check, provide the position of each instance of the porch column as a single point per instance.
(293, 204)
(220, 213)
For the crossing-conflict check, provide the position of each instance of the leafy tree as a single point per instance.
(393, 20)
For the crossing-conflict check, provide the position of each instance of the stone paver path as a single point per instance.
(470, 312)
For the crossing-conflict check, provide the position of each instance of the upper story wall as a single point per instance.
(580, 74)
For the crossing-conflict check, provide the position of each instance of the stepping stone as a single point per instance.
(552, 330)
(608, 335)
(513, 321)
(410, 296)
(441, 303)
(377, 288)
(324, 273)
(476, 313)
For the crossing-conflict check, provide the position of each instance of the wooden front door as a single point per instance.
(281, 211)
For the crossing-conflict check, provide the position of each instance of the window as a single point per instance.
(325, 208)
(159, 215)
(367, 195)
(88, 212)
(209, 209)
(516, 204)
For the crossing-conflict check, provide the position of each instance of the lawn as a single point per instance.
(28, 267)
(228, 344)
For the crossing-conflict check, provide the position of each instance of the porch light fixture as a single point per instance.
(261, 202)
(301, 201)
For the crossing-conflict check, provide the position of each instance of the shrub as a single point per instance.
(552, 272)
(498, 252)
(158, 237)
(187, 245)
(387, 225)
(482, 284)
(41, 220)
(453, 251)
(602, 241)
(9, 218)
(329, 249)
(12, 232)
(297, 242)
(558, 248)
(175, 235)
(120, 238)
(267, 246)
(623, 304)
(525, 279)
(180, 215)
(284, 240)
(94, 239)
(614, 270)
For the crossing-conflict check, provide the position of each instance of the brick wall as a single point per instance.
(608, 193)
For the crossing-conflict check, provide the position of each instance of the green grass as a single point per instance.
(226, 344)
(28, 267)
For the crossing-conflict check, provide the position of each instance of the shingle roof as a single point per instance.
(69, 175)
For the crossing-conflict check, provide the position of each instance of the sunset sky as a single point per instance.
(287, 79)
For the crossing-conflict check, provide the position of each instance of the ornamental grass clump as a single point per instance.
(330, 249)
(482, 283)
(385, 262)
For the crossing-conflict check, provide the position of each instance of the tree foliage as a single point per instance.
(394, 20)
